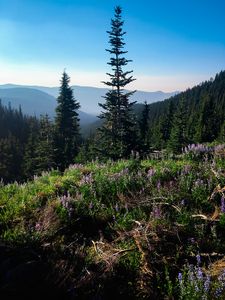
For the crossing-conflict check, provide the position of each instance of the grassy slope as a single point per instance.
(109, 230)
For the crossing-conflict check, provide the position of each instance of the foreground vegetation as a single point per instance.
(146, 229)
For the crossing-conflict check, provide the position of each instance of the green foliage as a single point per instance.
(66, 125)
(117, 135)
(194, 116)
(127, 216)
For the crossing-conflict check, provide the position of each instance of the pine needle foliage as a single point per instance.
(117, 135)
(66, 125)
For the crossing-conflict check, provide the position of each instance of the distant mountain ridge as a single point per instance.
(36, 102)
(89, 97)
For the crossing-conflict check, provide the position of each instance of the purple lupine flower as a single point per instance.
(222, 204)
(66, 202)
(198, 257)
(199, 274)
(180, 277)
(158, 185)
(156, 212)
(87, 179)
(37, 226)
(207, 283)
(191, 277)
(151, 172)
(76, 166)
(116, 207)
(218, 292)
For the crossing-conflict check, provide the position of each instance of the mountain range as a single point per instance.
(36, 100)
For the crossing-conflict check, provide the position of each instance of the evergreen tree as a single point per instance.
(118, 130)
(44, 150)
(207, 128)
(29, 162)
(178, 138)
(144, 127)
(10, 159)
(66, 125)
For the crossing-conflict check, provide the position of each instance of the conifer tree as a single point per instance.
(178, 137)
(44, 150)
(66, 125)
(144, 127)
(118, 131)
(29, 162)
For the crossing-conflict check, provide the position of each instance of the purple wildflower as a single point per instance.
(116, 207)
(199, 274)
(198, 257)
(218, 292)
(156, 212)
(222, 204)
(86, 179)
(37, 226)
(207, 283)
(151, 173)
(158, 185)
(180, 277)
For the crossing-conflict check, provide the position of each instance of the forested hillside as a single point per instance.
(15, 129)
(194, 116)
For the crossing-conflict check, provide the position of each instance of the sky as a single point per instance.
(173, 44)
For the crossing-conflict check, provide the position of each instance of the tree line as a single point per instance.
(30, 145)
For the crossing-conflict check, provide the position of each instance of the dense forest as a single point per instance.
(135, 210)
(194, 116)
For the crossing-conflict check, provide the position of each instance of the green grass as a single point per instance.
(122, 220)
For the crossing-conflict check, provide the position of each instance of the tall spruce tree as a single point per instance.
(66, 125)
(118, 131)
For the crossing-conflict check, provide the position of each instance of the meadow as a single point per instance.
(140, 228)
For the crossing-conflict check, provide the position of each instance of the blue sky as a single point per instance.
(173, 44)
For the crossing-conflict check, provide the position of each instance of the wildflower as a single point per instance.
(87, 179)
(199, 274)
(158, 185)
(180, 277)
(218, 292)
(207, 283)
(222, 205)
(151, 172)
(156, 212)
(198, 257)
(37, 226)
